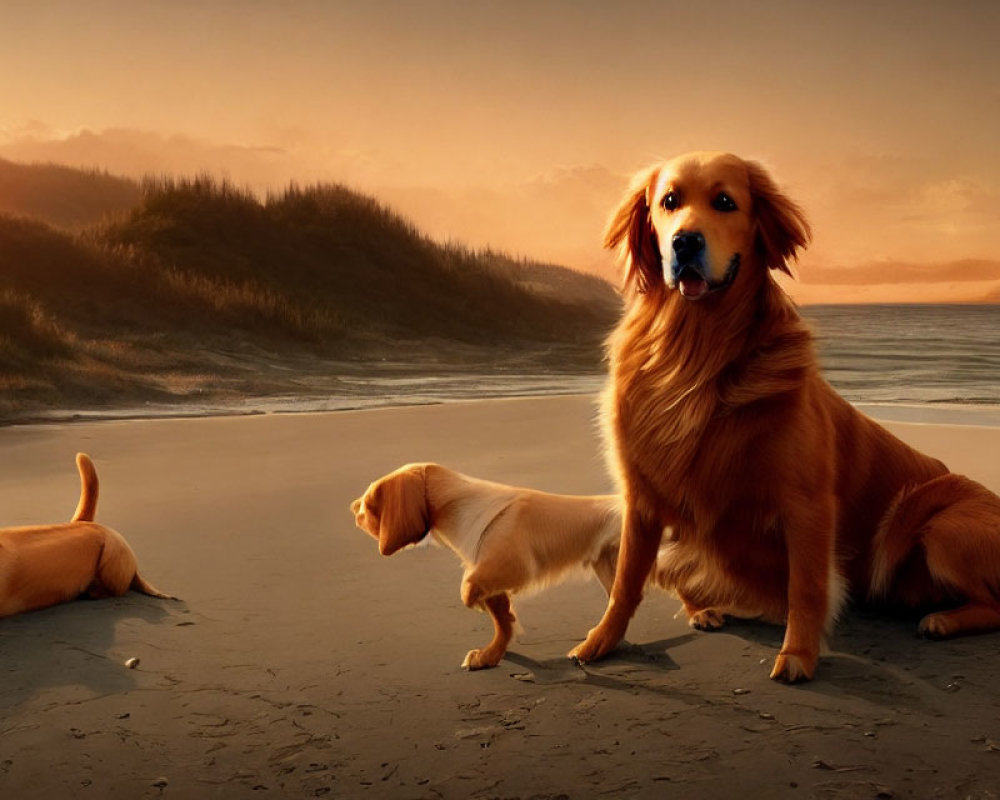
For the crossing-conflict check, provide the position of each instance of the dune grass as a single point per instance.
(202, 277)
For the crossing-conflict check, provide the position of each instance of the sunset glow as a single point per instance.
(518, 125)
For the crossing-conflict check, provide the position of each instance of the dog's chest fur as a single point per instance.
(694, 438)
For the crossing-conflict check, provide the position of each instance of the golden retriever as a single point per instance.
(509, 539)
(43, 565)
(781, 498)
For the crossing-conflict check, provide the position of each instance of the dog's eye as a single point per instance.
(670, 201)
(723, 202)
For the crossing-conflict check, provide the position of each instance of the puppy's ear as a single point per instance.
(782, 228)
(403, 514)
(631, 231)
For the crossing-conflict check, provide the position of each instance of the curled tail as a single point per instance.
(87, 507)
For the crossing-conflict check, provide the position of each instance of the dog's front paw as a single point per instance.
(707, 619)
(597, 644)
(481, 659)
(935, 626)
(794, 667)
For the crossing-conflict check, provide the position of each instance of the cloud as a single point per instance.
(930, 292)
(137, 153)
(900, 272)
(870, 208)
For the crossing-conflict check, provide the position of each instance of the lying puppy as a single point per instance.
(509, 539)
(781, 498)
(42, 565)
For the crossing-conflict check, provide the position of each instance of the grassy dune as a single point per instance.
(202, 290)
(63, 196)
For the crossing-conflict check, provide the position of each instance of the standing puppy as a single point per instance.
(780, 496)
(42, 565)
(509, 539)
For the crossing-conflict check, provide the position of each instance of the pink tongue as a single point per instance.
(693, 287)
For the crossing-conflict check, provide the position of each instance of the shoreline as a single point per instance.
(931, 413)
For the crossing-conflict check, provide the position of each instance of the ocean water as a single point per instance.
(925, 363)
(911, 354)
(919, 363)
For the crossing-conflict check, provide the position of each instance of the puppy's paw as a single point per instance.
(597, 644)
(481, 659)
(794, 667)
(707, 619)
(935, 626)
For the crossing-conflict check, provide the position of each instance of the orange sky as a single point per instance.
(517, 124)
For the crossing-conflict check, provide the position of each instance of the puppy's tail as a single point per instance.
(140, 584)
(87, 507)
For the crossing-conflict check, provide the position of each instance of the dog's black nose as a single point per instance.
(688, 245)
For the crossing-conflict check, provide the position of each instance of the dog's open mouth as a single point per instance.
(691, 283)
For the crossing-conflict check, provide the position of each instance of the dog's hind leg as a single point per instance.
(117, 571)
(944, 538)
(498, 607)
(116, 566)
(970, 618)
(962, 549)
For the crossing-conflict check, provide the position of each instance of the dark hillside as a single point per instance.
(202, 285)
(335, 254)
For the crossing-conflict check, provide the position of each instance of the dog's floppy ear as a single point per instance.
(631, 231)
(403, 514)
(782, 228)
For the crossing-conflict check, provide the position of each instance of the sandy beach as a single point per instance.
(300, 663)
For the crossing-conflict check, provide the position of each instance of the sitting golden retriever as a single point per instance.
(781, 498)
(42, 565)
(508, 539)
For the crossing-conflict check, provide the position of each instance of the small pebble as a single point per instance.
(741, 691)
(132, 663)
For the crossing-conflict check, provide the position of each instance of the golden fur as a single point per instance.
(781, 498)
(509, 539)
(42, 565)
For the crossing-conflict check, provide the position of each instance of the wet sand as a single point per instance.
(302, 664)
